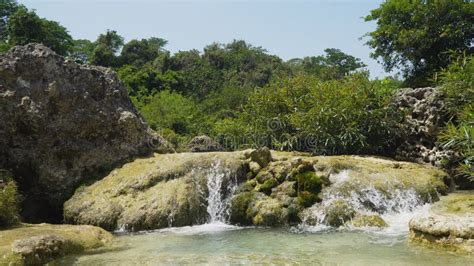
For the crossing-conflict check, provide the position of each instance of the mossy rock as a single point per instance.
(247, 186)
(262, 156)
(307, 199)
(309, 181)
(338, 212)
(364, 220)
(150, 193)
(240, 204)
(39, 244)
(9, 200)
(281, 170)
(267, 186)
(263, 176)
(268, 212)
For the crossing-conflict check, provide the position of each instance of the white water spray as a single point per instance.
(396, 205)
(221, 187)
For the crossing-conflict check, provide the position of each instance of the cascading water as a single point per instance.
(221, 187)
(396, 205)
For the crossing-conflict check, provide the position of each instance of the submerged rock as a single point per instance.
(156, 192)
(63, 123)
(449, 224)
(42, 243)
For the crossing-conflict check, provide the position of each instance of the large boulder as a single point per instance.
(62, 123)
(425, 116)
(160, 191)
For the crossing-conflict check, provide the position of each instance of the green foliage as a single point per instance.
(7, 8)
(326, 117)
(418, 36)
(138, 53)
(169, 110)
(334, 65)
(82, 51)
(9, 200)
(106, 48)
(25, 26)
(457, 84)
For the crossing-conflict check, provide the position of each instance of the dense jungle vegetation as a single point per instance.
(243, 96)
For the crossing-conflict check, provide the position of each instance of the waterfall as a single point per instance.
(221, 187)
(396, 204)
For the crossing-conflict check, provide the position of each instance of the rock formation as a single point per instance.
(204, 144)
(61, 124)
(156, 192)
(285, 188)
(425, 115)
(449, 224)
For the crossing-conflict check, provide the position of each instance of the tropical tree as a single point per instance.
(419, 36)
(24, 26)
(107, 47)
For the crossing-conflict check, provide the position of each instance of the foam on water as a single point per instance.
(207, 228)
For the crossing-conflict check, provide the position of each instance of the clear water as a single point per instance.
(217, 243)
(220, 244)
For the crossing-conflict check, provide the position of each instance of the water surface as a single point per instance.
(220, 244)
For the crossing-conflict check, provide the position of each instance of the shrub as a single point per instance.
(348, 116)
(457, 84)
(9, 200)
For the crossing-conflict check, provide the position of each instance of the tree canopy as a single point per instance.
(24, 27)
(420, 36)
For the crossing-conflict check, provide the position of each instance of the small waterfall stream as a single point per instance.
(221, 187)
(396, 205)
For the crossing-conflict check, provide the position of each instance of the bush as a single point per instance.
(9, 200)
(457, 84)
(348, 116)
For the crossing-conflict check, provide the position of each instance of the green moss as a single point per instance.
(267, 186)
(247, 186)
(368, 220)
(309, 181)
(268, 212)
(239, 206)
(250, 175)
(263, 176)
(9, 200)
(338, 212)
(306, 199)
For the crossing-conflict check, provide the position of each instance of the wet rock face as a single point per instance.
(204, 144)
(62, 123)
(425, 115)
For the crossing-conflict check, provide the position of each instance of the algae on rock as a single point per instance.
(156, 192)
(39, 244)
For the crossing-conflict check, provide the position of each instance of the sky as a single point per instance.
(289, 29)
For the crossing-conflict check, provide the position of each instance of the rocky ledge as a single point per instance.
(258, 187)
(43, 243)
(448, 224)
